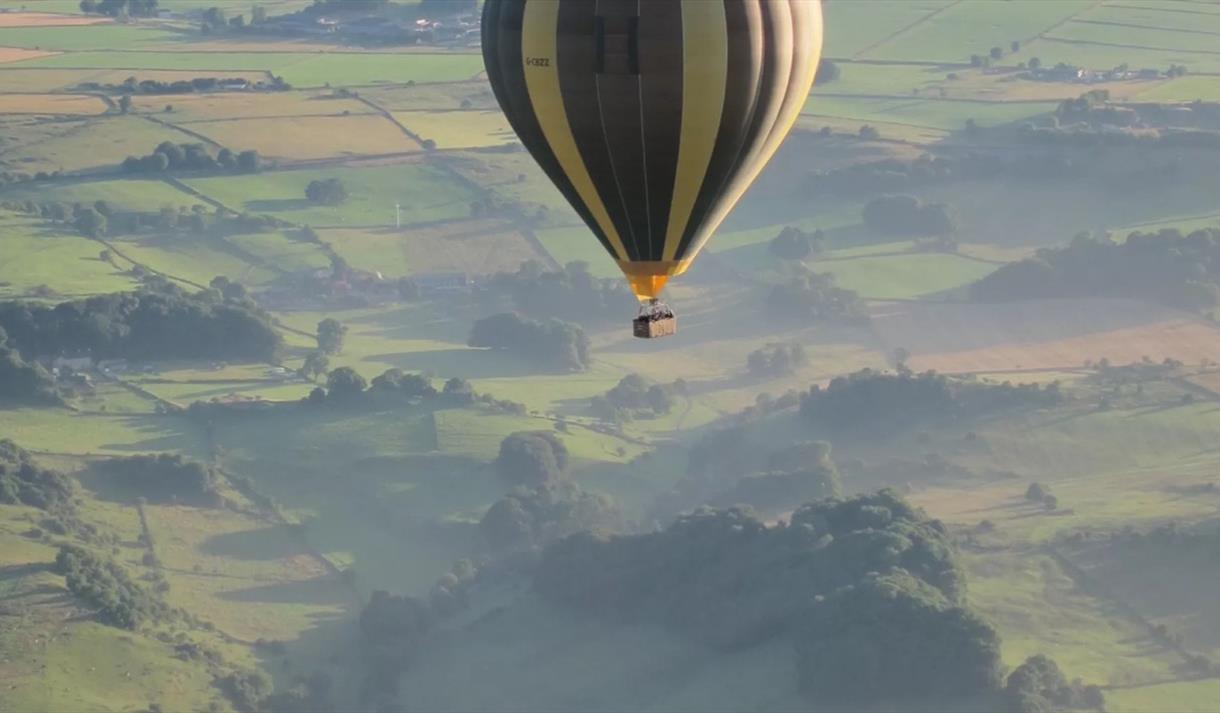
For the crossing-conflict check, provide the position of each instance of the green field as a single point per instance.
(903, 276)
(973, 28)
(855, 27)
(425, 194)
(128, 193)
(68, 264)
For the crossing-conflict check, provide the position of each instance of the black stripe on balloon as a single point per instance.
(738, 131)
(660, 88)
(577, 60)
(502, 57)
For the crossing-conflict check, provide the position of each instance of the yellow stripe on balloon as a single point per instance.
(540, 54)
(705, 69)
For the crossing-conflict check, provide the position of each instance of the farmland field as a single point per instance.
(304, 138)
(425, 194)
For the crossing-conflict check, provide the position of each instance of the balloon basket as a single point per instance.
(655, 320)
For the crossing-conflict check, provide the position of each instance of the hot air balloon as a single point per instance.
(652, 117)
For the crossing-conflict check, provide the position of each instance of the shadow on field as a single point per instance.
(467, 363)
(277, 204)
(321, 590)
(269, 543)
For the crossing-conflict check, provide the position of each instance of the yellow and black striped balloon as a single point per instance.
(652, 117)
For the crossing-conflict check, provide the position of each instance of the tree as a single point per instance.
(1039, 685)
(316, 364)
(258, 15)
(88, 7)
(997, 52)
(91, 223)
(869, 133)
(326, 191)
(1015, 46)
(330, 336)
(532, 458)
(827, 71)
(213, 19)
(345, 384)
(1035, 63)
(125, 103)
(249, 162)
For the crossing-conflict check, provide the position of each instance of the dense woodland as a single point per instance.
(165, 324)
(872, 402)
(1179, 270)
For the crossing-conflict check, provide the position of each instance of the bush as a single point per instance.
(532, 458)
(105, 584)
(25, 483)
(906, 215)
(326, 191)
(1038, 685)
(531, 518)
(776, 360)
(813, 297)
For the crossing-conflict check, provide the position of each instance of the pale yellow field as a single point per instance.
(459, 129)
(310, 137)
(73, 104)
(1041, 334)
(47, 19)
(476, 247)
(17, 54)
(190, 108)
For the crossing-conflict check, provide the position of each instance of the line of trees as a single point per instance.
(1166, 266)
(814, 297)
(153, 87)
(572, 294)
(23, 482)
(551, 342)
(634, 396)
(106, 585)
(168, 156)
(166, 323)
(120, 8)
(869, 402)
(164, 478)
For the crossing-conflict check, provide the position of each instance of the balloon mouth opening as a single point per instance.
(648, 278)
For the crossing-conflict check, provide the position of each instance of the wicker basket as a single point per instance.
(646, 328)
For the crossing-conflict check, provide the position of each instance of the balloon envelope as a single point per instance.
(652, 117)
